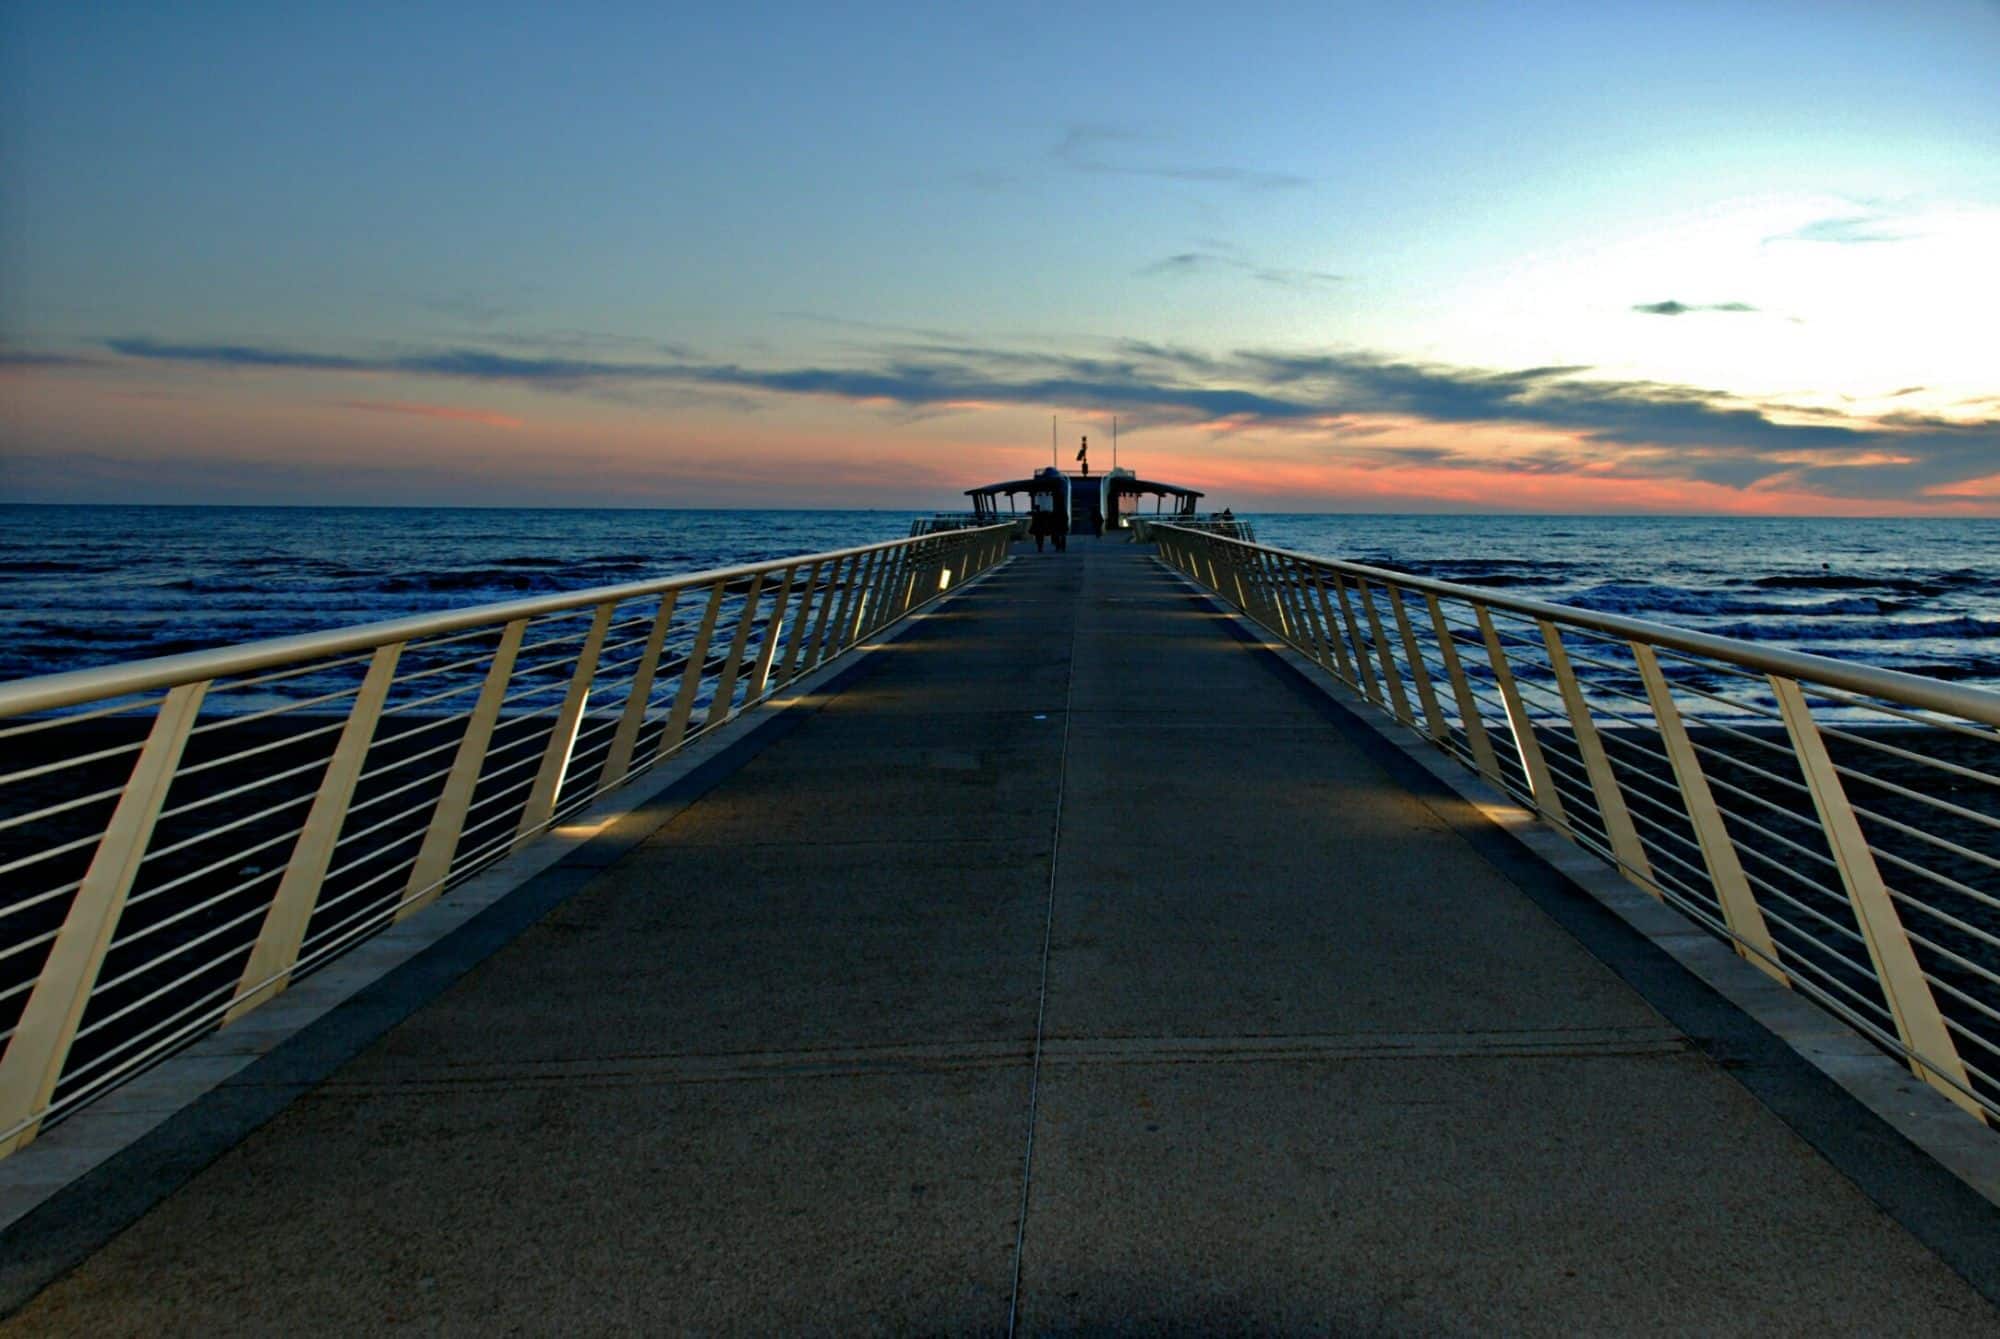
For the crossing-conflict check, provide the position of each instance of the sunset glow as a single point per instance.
(1607, 258)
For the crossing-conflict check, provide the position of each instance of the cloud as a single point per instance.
(1189, 263)
(1083, 148)
(1847, 230)
(463, 363)
(1572, 419)
(1672, 308)
(445, 411)
(27, 360)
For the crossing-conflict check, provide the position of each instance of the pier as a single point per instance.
(1075, 957)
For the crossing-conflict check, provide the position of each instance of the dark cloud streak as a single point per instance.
(1848, 230)
(1082, 149)
(1639, 428)
(1673, 308)
(1187, 264)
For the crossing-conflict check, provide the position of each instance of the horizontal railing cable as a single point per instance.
(198, 830)
(1769, 794)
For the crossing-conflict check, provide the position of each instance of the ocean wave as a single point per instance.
(1503, 580)
(1648, 600)
(1970, 671)
(293, 566)
(57, 566)
(1932, 584)
(500, 581)
(1856, 630)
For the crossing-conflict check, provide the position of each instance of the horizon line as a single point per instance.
(518, 506)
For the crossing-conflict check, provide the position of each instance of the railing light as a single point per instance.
(944, 579)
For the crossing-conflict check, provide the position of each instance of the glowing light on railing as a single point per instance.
(944, 579)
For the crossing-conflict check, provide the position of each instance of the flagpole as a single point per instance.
(1114, 441)
(1053, 462)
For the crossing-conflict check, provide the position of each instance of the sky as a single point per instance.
(1574, 257)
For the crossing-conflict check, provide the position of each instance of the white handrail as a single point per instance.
(1601, 785)
(50, 692)
(1976, 704)
(532, 738)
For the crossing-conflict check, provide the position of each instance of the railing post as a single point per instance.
(1265, 581)
(851, 619)
(1333, 638)
(1309, 613)
(1249, 570)
(618, 763)
(903, 585)
(434, 858)
(800, 625)
(277, 949)
(882, 599)
(1233, 558)
(870, 615)
(896, 564)
(677, 722)
(1733, 893)
(723, 703)
(1366, 672)
(1611, 811)
(832, 595)
(1469, 715)
(39, 1048)
(1301, 625)
(768, 648)
(1398, 699)
(1434, 724)
(921, 580)
(900, 590)
(1541, 786)
(546, 792)
(843, 620)
(1932, 1053)
(1278, 596)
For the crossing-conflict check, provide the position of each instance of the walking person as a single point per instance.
(1038, 524)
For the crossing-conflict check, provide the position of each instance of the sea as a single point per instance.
(95, 585)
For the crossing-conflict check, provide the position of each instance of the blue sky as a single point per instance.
(853, 255)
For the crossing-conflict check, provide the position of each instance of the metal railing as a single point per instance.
(1210, 523)
(945, 522)
(1835, 822)
(182, 837)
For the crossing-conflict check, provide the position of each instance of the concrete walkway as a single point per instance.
(1068, 860)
